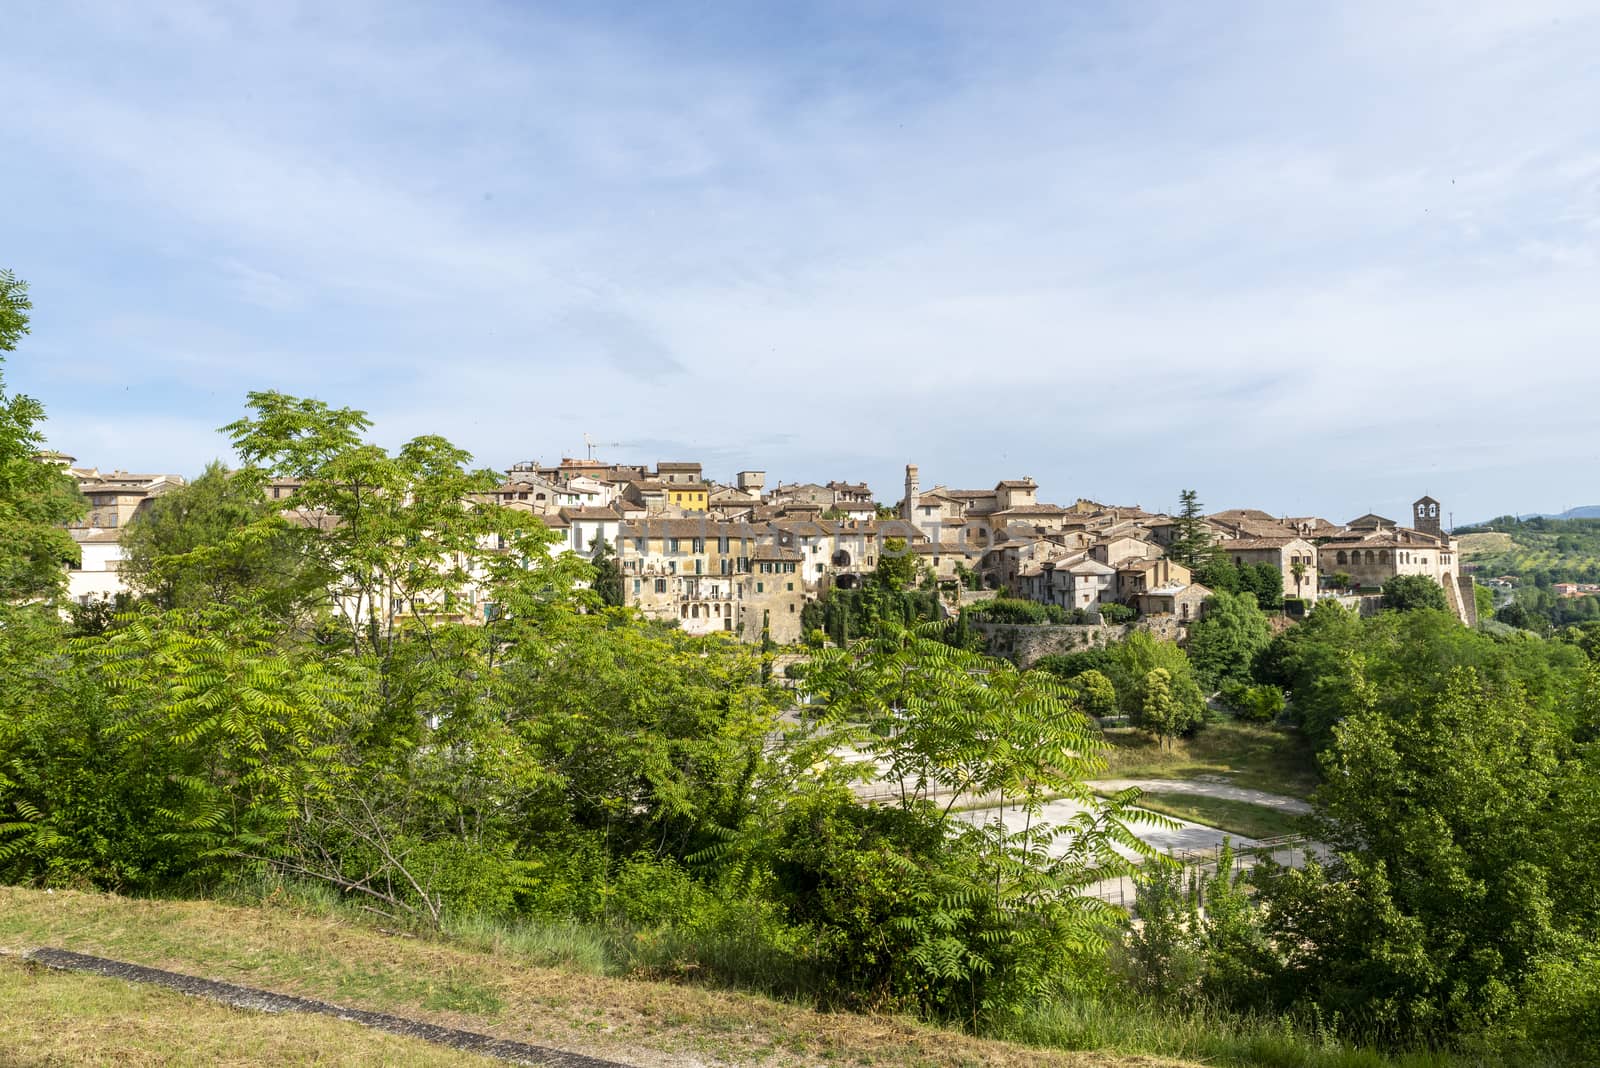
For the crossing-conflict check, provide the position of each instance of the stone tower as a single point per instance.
(1425, 517)
(908, 507)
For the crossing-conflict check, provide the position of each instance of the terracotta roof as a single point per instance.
(776, 552)
(1032, 509)
(590, 511)
(1254, 544)
(1015, 483)
(93, 535)
(706, 527)
(680, 466)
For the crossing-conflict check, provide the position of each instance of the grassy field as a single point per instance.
(1260, 757)
(55, 1018)
(328, 956)
(315, 947)
(1236, 817)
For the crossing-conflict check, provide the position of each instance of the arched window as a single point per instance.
(1343, 557)
(1370, 558)
(1383, 556)
(841, 559)
(684, 612)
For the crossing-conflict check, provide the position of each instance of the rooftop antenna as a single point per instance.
(589, 444)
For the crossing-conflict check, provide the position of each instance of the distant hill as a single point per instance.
(1587, 511)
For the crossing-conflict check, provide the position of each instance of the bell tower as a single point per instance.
(1425, 517)
(908, 507)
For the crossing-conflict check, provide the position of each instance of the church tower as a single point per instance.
(908, 507)
(1425, 517)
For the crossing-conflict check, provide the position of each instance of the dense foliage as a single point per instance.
(1459, 807)
(303, 691)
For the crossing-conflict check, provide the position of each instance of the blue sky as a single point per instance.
(1310, 258)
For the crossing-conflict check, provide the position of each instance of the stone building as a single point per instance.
(115, 498)
(1182, 602)
(1372, 550)
(1287, 554)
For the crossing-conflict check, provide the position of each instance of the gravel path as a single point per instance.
(1201, 788)
(244, 997)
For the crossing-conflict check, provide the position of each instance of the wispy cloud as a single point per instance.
(1294, 257)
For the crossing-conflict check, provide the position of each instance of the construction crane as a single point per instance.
(589, 444)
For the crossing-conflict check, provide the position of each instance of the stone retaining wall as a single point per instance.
(1024, 643)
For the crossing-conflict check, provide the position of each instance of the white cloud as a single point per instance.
(1311, 254)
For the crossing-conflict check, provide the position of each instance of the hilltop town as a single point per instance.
(741, 557)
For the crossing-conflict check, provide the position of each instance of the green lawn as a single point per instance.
(1235, 817)
(1275, 759)
(67, 1018)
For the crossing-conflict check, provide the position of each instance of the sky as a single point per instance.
(1316, 259)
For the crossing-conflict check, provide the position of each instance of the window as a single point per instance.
(699, 565)
(761, 587)
(672, 545)
(791, 586)
(661, 585)
(635, 585)
(791, 606)
(1343, 557)
(727, 622)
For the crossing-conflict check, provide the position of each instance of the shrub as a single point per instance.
(1116, 614)
(1262, 704)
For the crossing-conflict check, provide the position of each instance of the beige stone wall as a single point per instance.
(1025, 644)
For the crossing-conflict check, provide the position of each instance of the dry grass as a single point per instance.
(644, 1023)
(1491, 543)
(58, 1018)
(1275, 759)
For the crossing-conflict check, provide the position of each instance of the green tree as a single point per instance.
(1226, 639)
(607, 575)
(997, 921)
(1265, 582)
(1191, 544)
(190, 549)
(177, 745)
(1483, 601)
(1297, 570)
(1126, 663)
(1158, 711)
(897, 566)
(1406, 593)
(1095, 692)
(37, 497)
(1436, 912)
